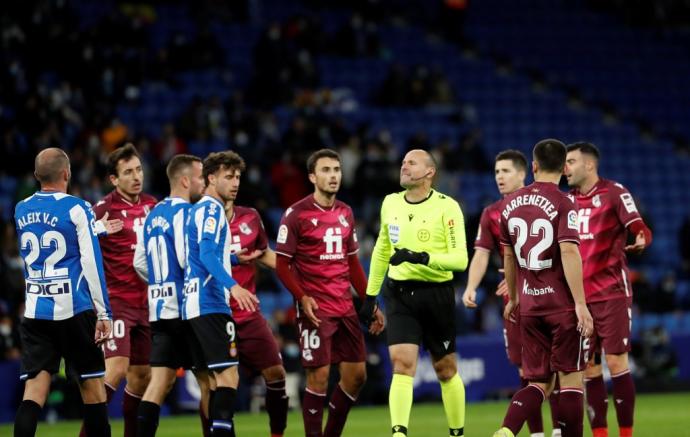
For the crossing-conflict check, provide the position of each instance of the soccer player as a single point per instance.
(209, 285)
(606, 212)
(317, 261)
(160, 258)
(539, 232)
(421, 243)
(127, 351)
(510, 171)
(258, 349)
(67, 312)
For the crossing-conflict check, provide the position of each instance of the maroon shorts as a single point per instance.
(511, 336)
(131, 336)
(612, 325)
(550, 344)
(257, 347)
(335, 340)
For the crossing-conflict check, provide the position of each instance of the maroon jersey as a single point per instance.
(246, 232)
(534, 220)
(604, 214)
(489, 233)
(118, 249)
(319, 240)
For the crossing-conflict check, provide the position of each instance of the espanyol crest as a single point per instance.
(394, 233)
(341, 219)
(245, 229)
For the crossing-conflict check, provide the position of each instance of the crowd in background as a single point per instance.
(61, 84)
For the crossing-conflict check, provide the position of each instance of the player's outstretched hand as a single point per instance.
(111, 226)
(244, 298)
(310, 306)
(508, 311)
(103, 330)
(378, 324)
(585, 324)
(246, 258)
(469, 298)
(502, 289)
(406, 255)
(639, 245)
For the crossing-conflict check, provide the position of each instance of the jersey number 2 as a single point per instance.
(540, 228)
(30, 240)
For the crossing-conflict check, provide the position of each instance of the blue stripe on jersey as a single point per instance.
(205, 294)
(165, 257)
(45, 306)
(58, 243)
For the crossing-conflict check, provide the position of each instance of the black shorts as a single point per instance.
(217, 335)
(421, 312)
(174, 345)
(45, 342)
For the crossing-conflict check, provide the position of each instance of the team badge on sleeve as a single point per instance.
(572, 221)
(210, 225)
(282, 234)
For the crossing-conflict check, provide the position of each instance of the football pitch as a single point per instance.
(665, 415)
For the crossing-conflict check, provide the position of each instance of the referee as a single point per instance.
(421, 243)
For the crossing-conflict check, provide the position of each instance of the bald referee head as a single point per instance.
(52, 169)
(417, 170)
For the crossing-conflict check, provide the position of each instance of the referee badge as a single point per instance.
(423, 235)
(394, 233)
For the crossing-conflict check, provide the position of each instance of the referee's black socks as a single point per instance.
(96, 420)
(26, 419)
(147, 419)
(223, 409)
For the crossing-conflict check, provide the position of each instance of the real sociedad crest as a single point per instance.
(245, 229)
(596, 201)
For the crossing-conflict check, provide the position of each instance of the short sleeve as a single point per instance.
(485, 238)
(286, 241)
(352, 243)
(624, 205)
(568, 222)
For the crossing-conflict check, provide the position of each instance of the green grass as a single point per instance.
(655, 416)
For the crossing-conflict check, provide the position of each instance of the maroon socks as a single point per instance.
(312, 413)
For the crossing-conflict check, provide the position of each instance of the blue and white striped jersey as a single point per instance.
(63, 267)
(162, 245)
(207, 277)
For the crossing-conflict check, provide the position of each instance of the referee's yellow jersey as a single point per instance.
(435, 226)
